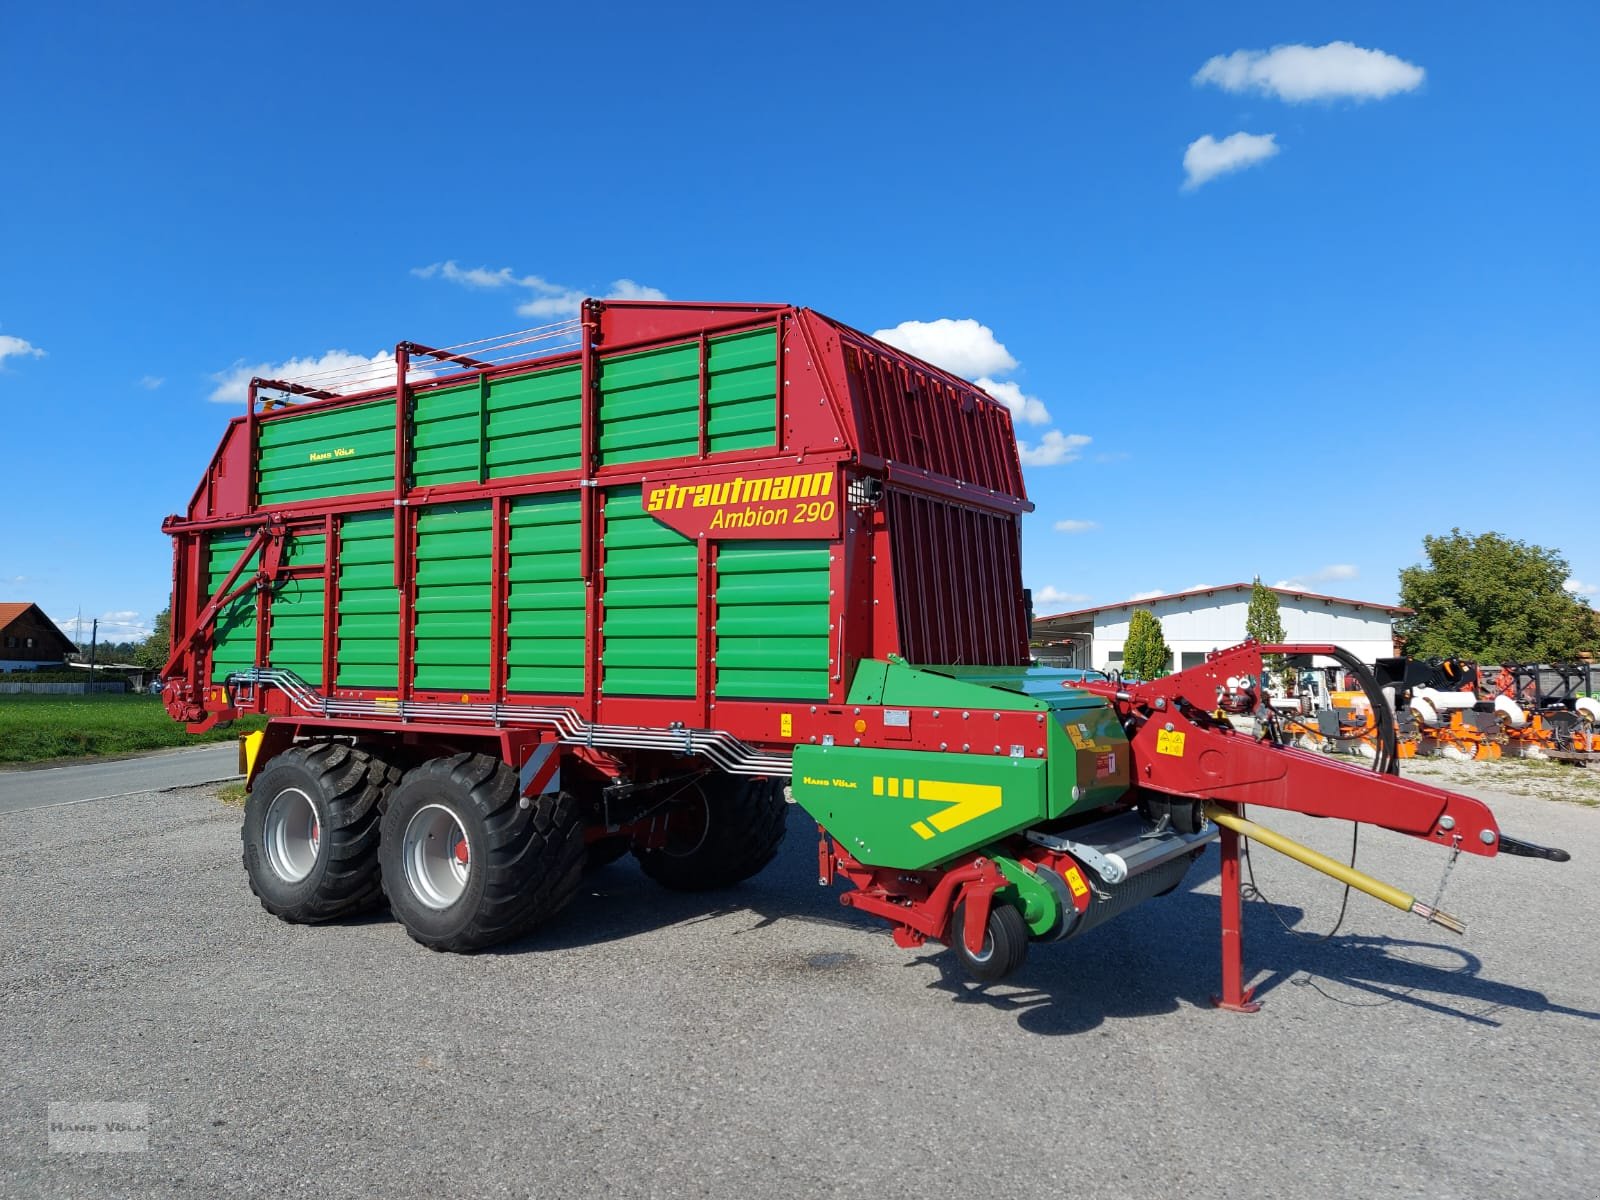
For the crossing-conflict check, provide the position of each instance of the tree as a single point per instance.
(1488, 598)
(1264, 622)
(153, 651)
(1145, 653)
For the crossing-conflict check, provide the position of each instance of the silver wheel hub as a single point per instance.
(436, 855)
(292, 835)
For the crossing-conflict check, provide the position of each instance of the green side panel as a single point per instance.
(446, 436)
(650, 405)
(335, 452)
(1085, 747)
(914, 809)
(297, 608)
(742, 391)
(651, 603)
(233, 646)
(369, 603)
(535, 423)
(772, 620)
(455, 561)
(546, 601)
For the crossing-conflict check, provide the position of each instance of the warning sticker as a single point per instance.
(1170, 741)
(1075, 882)
(785, 724)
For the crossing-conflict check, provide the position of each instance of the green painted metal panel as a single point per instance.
(296, 612)
(331, 452)
(546, 601)
(651, 603)
(233, 645)
(914, 809)
(454, 567)
(446, 436)
(369, 603)
(772, 622)
(650, 405)
(535, 423)
(1083, 742)
(742, 391)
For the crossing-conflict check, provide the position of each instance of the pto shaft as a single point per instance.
(1359, 880)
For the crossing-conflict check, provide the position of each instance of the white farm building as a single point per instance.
(1212, 618)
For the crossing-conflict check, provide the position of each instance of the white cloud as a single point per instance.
(1337, 71)
(1054, 448)
(962, 347)
(545, 299)
(1151, 594)
(1071, 526)
(1577, 587)
(15, 347)
(967, 348)
(336, 371)
(1329, 574)
(151, 382)
(123, 625)
(1206, 158)
(1028, 409)
(1052, 595)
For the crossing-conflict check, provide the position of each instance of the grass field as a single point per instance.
(39, 728)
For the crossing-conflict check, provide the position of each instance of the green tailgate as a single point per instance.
(455, 561)
(333, 452)
(535, 423)
(650, 401)
(297, 609)
(546, 602)
(369, 603)
(772, 620)
(233, 641)
(651, 600)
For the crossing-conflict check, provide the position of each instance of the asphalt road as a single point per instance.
(43, 787)
(767, 1043)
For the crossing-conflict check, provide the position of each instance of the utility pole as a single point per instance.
(94, 637)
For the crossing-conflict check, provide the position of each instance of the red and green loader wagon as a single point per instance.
(629, 583)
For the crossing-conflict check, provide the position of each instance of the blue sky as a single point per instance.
(1383, 322)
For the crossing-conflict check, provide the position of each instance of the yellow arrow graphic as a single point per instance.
(964, 801)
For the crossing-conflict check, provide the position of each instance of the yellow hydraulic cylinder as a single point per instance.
(1347, 875)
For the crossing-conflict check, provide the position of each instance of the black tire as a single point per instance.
(728, 828)
(520, 866)
(1005, 942)
(326, 870)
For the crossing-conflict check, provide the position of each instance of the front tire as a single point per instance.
(1005, 942)
(466, 865)
(311, 832)
(724, 830)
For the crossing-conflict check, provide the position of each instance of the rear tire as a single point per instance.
(1005, 942)
(311, 832)
(465, 865)
(728, 828)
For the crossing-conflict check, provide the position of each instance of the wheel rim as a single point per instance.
(437, 856)
(292, 835)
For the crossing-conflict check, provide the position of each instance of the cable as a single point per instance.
(1386, 761)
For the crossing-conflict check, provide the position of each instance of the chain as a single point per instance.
(1449, 863)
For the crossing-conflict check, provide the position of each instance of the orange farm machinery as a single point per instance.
(628, 584)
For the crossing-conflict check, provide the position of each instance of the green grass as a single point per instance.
(41, 728)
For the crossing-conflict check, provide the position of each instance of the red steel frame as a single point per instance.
(829, 415)
(834, 408)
